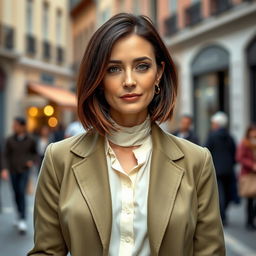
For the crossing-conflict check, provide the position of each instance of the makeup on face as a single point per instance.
(130, 78)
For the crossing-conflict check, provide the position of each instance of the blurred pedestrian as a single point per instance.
(126, 187)
(43, 140)
(1, 169)
(185, 130)
(20, 153)
(74, 128)
(59, 133)
(223, 149)
(246, 156)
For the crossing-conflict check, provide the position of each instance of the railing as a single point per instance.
(30, 44)
(6, 37)
(171, 25)
(60, 55)
(220, 6)
(46, 50)
(193, 14)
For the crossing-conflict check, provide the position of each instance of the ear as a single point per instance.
(160, 71)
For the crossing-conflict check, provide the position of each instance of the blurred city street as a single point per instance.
(239, 241)
(213, 47)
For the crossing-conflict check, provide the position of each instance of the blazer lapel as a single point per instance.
(165, 179)
(92, 177)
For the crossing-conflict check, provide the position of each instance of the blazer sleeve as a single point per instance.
(208, 238)
(48, 238)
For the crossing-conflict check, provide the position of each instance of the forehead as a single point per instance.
(130, 47)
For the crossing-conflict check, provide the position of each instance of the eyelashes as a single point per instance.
(142, 67)
(113, 69)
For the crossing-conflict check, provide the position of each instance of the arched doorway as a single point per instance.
(211, 86)
(251, 58)
(2, 90)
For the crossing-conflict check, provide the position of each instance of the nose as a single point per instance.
(129, 80)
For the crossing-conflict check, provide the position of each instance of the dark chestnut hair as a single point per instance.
(92, 106)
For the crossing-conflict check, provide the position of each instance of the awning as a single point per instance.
(60, 96)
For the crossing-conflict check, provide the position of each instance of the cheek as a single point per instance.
(150, 87)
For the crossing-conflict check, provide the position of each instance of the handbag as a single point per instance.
(247, 185)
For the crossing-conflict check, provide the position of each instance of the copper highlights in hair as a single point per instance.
(92, 106)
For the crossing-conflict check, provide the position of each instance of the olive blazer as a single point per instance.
(73, 201)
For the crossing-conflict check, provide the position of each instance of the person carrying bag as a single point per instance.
(246, 156)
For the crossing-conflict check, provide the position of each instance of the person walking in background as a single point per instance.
(1, 169)
(223, 149)
(246, 156)
(20, 153)
(74, 128)
(58, 133)
(185, 130)
(43, 140)
(3, 172)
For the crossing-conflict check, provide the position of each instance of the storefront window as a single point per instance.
(210, 96)
(211, 93)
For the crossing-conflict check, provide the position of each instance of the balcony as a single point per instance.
(6, 37)
(171, 25)
(193, 14)
(46, 50)
(60, 55)
(220, 6)
(30, 44)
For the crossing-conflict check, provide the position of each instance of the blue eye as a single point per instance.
(113, 69)
(143, 67)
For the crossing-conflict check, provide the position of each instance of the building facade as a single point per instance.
(213, 44)
(35, 62)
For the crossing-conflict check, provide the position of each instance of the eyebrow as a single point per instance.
(135, 60)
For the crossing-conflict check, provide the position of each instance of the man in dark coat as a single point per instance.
(185, 129)
(20, 153)
(223, 149)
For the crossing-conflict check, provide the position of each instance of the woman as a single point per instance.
(127, 187)
(246, 156)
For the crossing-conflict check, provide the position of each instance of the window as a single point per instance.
(59, 27)
(136, 7)
(173, 5)
(105, 15)
(29, 16)
(47, 78)
(45, 20)
(122, 6)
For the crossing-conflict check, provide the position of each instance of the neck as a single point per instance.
(130, 136)
(129, 120)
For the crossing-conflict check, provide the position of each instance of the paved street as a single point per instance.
(239, 242)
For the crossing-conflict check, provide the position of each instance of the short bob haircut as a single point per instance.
(92, 106)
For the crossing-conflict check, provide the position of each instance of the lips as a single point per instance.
(130, 97)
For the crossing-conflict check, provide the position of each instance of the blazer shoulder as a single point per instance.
(193, 153)
(65, 146)
(185, 145)
(60, 156)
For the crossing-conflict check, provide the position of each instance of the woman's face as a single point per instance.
(130, 79)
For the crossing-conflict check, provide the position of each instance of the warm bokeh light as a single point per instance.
(53, 121)
(33, 111)
(48, 110)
